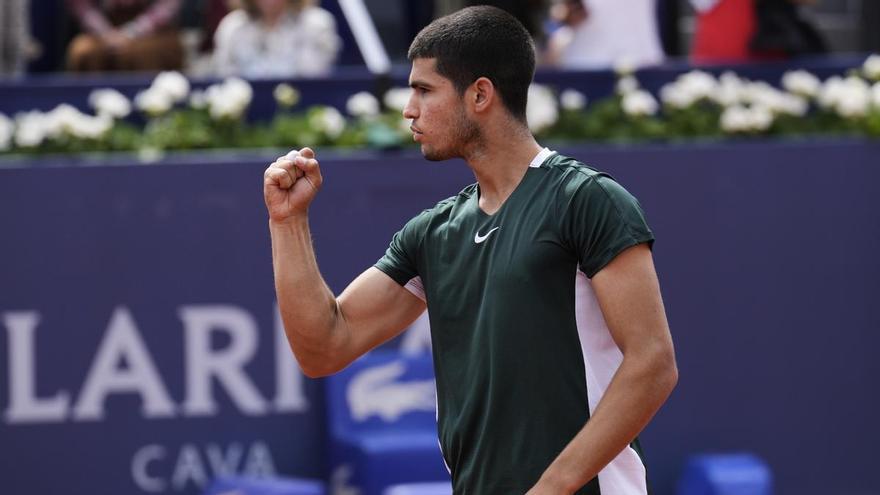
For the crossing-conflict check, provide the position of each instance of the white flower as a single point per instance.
(830, 92)
(286, 95)
(871, 67)
(853, 105)
(627, 84)
(92, 127)
(63, 119)
(173, 84)
(875, 95)
(362, 104)
(688, 89)
(849, 98)
(110, 102)
(854, 98)
(225, 108)
(673, 96)
(239, 90)
(639, 103)
(153, 102)
(738, 118)
(794, 105)
(735, 119)
(801, 82)
(761, 118)
(763, 94)
(229, 99)
(730, 90)
(30, 129)
(7, 131)
(541, 109)
(397, 98)
(572, 100)
(329, 121)
(700, 83)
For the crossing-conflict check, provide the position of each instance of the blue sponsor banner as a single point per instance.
(141, 352)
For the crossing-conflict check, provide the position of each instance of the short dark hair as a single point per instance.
(481, 41)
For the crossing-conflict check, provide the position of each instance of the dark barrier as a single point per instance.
(140, 353)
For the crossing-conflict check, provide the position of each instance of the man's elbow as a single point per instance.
(312, 371)
(666, 368)
(318, 367)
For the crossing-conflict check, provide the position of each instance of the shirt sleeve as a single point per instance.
(401, 258)
(600, 219)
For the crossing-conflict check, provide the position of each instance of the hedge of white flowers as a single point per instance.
(695, 105)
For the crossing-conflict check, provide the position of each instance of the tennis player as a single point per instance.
(550, 341)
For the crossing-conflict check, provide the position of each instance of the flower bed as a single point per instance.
(695, 105)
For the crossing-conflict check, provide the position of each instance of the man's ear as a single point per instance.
(482, 94)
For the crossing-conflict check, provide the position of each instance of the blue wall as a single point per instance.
(767, 256)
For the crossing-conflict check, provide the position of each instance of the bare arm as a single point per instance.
(90, 16)
(159, 15)
(629, 295)
(325, 333)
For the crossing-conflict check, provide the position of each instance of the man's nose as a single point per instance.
(410, 111)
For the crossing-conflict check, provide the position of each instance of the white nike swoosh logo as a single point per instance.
(480, 238)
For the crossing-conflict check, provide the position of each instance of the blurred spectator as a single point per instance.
(870, 18)
(598, 34)
(276, 38)
(213, 12)
(16, 45)
(782, 32)
(743, 30)
(723, 30)
(125, 35)
(529, 12)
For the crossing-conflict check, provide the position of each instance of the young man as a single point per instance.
(545, 306)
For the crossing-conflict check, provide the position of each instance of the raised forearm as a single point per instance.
(308, 307)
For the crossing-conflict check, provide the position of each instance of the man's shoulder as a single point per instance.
(443, 207)
(573, 176)
(571, 168)
(576, 183)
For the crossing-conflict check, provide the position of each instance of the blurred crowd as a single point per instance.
(301, 38)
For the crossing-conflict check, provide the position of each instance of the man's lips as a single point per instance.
(416, 132)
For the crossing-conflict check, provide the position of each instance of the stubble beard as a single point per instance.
(464, 136)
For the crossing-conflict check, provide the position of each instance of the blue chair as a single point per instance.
(245, 485)
(726, 474)
(382, 424)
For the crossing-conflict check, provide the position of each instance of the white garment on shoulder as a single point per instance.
(300, 45)
(616, 31)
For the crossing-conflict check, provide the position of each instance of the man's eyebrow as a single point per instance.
(419, 84)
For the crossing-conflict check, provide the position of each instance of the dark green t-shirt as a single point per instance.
(522, 353)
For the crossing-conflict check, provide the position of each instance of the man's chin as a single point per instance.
(434, 155)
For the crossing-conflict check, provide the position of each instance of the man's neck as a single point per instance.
(500, 166)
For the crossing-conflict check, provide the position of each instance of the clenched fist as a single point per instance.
(290, 184)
